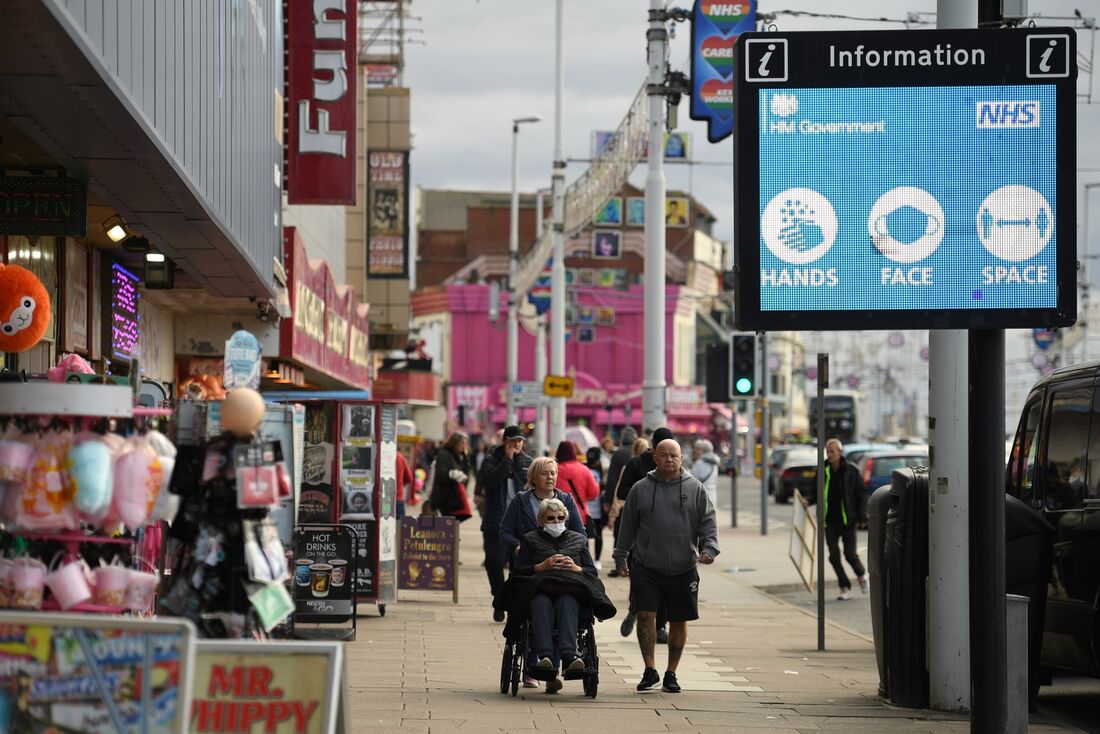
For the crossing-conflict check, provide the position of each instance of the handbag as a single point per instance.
(589, 523)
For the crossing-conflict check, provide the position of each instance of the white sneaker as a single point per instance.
(598, 565)
(864, 583)
(845, 595)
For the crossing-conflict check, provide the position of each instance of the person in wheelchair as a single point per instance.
(553, 578)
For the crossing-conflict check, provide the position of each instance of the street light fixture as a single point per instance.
(513, 262)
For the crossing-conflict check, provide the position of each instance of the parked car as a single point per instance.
(795, 471)
(1054, 470)
(877, 467)
(775, 462)
(854, 453)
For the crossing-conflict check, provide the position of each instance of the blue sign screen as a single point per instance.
(908, 198)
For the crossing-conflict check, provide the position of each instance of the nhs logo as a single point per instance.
(1017, 113)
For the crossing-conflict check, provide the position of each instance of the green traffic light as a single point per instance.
(743, 386)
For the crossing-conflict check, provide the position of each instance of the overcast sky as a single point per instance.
(485, 62)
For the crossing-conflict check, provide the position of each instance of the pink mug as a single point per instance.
(140, 592)
(69, 584)
(111, 583)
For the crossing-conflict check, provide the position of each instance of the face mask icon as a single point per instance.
(906, 224)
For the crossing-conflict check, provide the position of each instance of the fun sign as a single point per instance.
(714, 28)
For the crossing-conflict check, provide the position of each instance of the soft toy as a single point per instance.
(24, 309)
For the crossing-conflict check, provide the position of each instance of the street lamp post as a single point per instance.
(513, 262)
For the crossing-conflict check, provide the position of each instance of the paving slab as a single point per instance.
(751, 665)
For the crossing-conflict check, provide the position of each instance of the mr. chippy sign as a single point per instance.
(275, 688)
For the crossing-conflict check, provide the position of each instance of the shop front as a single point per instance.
(328, 335)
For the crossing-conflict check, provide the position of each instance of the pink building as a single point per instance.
(604, 343)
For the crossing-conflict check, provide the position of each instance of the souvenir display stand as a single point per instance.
(229, 564)
(349, 478)
(60, 513)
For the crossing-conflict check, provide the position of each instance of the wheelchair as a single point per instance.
(517, 651)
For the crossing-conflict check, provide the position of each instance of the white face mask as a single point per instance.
(554, 528)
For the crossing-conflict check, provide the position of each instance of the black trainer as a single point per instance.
(670, 685)
(628, 624)
(649, 679)
(498, 615)
(662, 636)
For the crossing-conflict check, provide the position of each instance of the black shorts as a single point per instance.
(679, 593)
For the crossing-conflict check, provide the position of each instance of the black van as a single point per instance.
(1054, 468)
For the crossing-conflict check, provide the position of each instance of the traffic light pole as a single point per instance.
(765, 434)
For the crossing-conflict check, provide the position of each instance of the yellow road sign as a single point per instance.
(557, 386)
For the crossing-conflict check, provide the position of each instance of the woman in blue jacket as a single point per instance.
(521, 516)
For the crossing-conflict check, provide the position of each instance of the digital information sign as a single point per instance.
(908, 179)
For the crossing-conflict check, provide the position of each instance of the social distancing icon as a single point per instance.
(1015, 223)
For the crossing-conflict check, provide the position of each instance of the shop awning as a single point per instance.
(96, 94)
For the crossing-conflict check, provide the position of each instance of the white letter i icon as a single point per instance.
(762, 70)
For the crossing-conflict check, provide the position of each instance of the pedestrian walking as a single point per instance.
(403, 485)
(502, 476)
(575, 480)
(452, 472)
(521, 515)
(845, 508)
(636, 469)
(705, 468)
(593, 459)
(668, 526)
(615, 466)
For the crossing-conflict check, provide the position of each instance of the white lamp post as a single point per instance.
(513, 261)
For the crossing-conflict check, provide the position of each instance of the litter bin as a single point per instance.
(1028, 547)
(905, 557)
(877, 508)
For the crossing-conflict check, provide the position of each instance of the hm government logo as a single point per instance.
(784, 105)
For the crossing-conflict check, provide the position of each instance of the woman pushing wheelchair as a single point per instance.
(553, 586)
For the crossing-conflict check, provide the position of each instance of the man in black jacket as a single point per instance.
(619, 460)
(503, 473)
(845, 507)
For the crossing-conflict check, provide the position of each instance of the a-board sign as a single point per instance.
(803, 541)
(94, 674)
(427, 553)
(905, 179)
(275, 687)
(365, 588)
(324, 573)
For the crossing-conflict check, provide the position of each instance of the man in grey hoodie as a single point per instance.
(667, 526)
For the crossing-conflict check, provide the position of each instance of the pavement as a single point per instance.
(751, 663)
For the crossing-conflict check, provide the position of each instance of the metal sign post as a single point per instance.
(822, 381)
